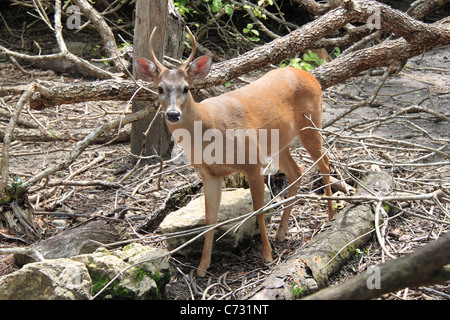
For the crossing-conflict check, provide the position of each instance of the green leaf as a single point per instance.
(229, 9)
(249, 30)
(306, 66)
(180, 5)
(337, 52)
(216, 5)
(311, 56)
(254, 39)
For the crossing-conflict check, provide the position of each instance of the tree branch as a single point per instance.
(64, 54)
(82, 145)
(423, 267)
(4, 163)
(105, 32)
(49, 93)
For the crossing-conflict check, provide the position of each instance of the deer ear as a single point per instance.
(145, 69)
(199, 68)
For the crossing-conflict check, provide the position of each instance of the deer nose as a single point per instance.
(173, 115)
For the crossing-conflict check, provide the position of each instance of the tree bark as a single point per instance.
(85, 238)
(319, 8)
(418, 35)
(48, 93)
(149, 14)
(105, 32)
(174, 43)
(426, 266)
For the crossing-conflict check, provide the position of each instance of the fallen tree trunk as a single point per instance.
(380, 55)
(48, 93)
(35, 135)
(418, 37)
(395, 21)
(85, 238)
(426, 266)
(310, 268)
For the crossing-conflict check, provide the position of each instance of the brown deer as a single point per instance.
(283, 104)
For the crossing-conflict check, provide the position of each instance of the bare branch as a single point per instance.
(4, 164)
(82, 145)
(105, 32)
(425, 266)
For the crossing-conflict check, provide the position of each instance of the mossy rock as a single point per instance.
(144, 272)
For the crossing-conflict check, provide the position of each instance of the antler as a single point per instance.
(158, 65)
(185, 64)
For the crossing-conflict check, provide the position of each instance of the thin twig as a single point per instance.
(378, 210)
(4, 162)
(82, 145)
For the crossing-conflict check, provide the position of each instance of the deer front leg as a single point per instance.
(212, 187)
(256, 182)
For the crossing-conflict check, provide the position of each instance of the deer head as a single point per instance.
(173, 85)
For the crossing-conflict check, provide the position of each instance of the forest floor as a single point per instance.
(45, 137)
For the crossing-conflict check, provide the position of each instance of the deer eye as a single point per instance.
(186, 89)
(160, 90)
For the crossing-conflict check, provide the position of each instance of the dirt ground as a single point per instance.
(52, 133)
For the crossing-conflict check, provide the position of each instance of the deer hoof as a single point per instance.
(280, 236)
(201, 272)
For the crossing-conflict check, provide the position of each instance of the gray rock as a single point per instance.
(144, 272)
(144, 281)
(233, 204)
(58, 279)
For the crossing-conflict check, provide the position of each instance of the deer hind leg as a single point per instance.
(293, 173)
(312, 141)
(212, 187)
(256, 182)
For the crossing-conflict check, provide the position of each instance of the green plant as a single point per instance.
(313, 57)
(54, 134)
(122, 47)
(298, 290)
(257, 9)
(308, 62)
(297, 63)
(336, 52)
(180, 5)
(215, 5)
(262, 2)
(11, 191)
(250, 33)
